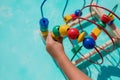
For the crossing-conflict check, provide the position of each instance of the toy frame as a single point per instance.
(113, 28)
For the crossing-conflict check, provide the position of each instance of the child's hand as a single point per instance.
(55, 48)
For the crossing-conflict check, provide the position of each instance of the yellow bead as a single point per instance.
(44, 33)
(63, 30)
(111, 16)
(67, 18)
(96, 31)
(81, 37)
(55, 37)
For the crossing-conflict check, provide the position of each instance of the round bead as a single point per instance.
(55, 37)
(73, 33)
(89, 43)
(43, 24)
(111, 22)
(56, 30)
(81, 37)
(73, 16)
(63, 30)
(78, 12)
(67, 18)
(105, 19)
(111, 16)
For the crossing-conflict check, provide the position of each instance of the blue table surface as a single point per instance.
(22, 52)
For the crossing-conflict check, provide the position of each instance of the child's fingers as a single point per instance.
(49, 37)
(60, 39)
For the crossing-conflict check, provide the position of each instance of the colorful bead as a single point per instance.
(44, 33)
(111, 16)
(93, 36)
(106, 19)
(43, 29)
(56, 30)
(78, 12)
(81, 37)
(112, 19)
(67, 18)
(55, 37)
(63, 30)
(73, 33)
(89, 43)
(111, 22)
(73, 16)
(43, 24)
(96, 31)
(101, 24)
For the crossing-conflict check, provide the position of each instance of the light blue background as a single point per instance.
(22, 53)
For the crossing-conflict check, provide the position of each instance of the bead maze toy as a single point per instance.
(99, 18)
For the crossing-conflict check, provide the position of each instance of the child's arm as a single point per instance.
(56, 50)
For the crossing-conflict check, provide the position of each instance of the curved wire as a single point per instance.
(91, 10)
(76, 53)
(101, 8)
(92, 60)
(87, 58)
(114, 8)
(41, 8)
(64, 8)
(100, 55)
(80, 25)
(84, 3)
(102, 29)
(105, 49)
(79, 20)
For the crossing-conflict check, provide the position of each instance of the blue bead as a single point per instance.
(44, 23)
(111, 22)
(89, 43)
(78, 12)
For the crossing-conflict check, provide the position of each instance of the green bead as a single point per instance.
(56, 30)
(101, 24)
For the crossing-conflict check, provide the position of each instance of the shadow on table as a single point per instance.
(107, 72)
(104, 72)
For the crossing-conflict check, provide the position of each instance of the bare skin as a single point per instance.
(56, 50)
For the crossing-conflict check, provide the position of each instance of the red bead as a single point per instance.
(93, 36)
(106, 19)
(73, 16)
(73, 33)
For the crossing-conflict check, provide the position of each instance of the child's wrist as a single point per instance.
(61, 57)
